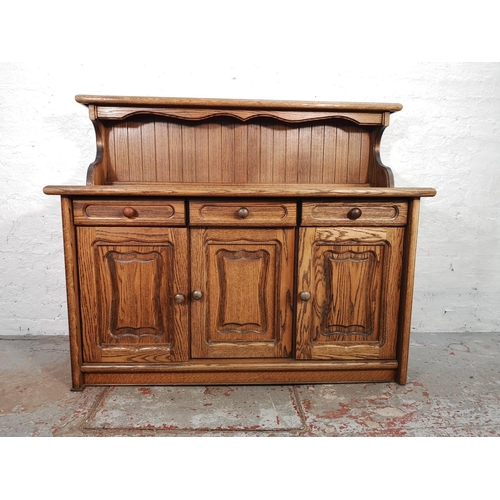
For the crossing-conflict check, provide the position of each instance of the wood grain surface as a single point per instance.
(226, 241)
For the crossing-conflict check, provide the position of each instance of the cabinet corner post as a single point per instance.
(407, 281)
(72, 292)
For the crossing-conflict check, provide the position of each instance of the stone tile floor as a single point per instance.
(453, 390)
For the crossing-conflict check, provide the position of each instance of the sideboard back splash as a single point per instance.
(170, 145)
(227, 150)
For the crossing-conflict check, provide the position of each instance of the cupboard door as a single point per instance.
(242, 283)
(132, 284)
(348, 295)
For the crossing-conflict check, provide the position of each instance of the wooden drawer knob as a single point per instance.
(354, 213)
(243, 213)
(129, 212)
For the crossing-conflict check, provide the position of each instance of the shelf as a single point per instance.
(240, 190)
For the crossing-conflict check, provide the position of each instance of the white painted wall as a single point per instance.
(447, 136)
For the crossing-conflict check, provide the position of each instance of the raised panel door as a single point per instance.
(348, 296)
(132, 285)
(243, 283)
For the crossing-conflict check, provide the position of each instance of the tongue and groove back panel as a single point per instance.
(226, 150)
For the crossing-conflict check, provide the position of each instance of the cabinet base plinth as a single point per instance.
(229, 374)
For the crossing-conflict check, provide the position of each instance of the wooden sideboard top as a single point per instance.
(240, 190)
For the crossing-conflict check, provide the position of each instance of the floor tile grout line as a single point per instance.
(300, 408)
(95, 406)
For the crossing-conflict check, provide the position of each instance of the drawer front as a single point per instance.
(128, 212)
(242, 213)
(354, 213)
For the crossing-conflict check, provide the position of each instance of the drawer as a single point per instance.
(242, 213)
(355, 213)
(128, 212)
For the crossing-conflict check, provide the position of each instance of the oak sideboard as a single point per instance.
(223, 241)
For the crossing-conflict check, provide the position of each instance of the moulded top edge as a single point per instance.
(236, 103)
(239, 190)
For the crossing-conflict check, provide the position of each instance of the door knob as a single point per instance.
(179, 298)
(305, 296)
(197, 294)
